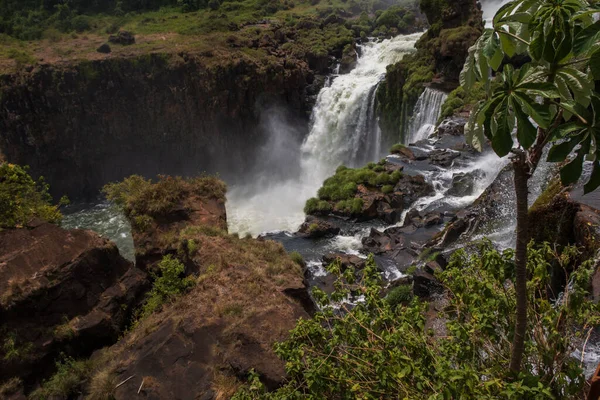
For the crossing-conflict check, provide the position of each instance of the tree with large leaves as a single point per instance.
(539, 62)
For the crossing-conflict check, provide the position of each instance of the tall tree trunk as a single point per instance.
(521, 178)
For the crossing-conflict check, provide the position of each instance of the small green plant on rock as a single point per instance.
(167, 286)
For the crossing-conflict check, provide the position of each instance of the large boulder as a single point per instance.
(316, 228)
(61, 291)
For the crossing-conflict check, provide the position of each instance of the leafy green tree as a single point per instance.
(22, 198)
(550, 98)
(383, 348)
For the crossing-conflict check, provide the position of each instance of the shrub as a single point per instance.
(65, 383)
(80, 23)
(297, 258)
(139, 196)
(170, 284)
(399, 295)
(22, 198)
(387, 189)
(397, 148)
(378, 350)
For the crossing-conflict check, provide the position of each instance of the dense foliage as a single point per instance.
(140, 196)
(338, 191)
(22, 198)
(388, 349)
(563, 44)
(29, 20)
(547, 96)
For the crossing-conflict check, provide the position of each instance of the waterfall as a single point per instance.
(425, 115)
(344, 128)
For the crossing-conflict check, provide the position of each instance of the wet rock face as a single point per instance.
(100, 121)
(315, 228)
(60, 291)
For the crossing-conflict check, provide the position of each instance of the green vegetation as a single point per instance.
(14, 349)
(297, 258)
(338, 192)
(10, 387)
(22, 198)
(462, 100)
(562, 53)
(142, 200)
(167, 286)
(399, 295)
(67, 380)
(382, 350)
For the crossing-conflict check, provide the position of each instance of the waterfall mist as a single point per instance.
(343, 130)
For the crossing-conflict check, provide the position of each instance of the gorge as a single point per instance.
(341, 135)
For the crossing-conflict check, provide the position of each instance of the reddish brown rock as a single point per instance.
(60, 290)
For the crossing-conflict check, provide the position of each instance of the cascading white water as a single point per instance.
(344, 127)
(425, 115)
(344, 130)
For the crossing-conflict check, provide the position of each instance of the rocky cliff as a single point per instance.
(441, 53)
(61, 292)
(93, 122)
(247, 295)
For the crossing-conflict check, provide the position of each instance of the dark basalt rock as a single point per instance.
(462, 184)
(346, 260)
(315, 228)
(124, 38)
(454, 126)
(425, 285)
(104, 48)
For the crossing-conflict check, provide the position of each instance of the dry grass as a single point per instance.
(224, 386)
(9, 387)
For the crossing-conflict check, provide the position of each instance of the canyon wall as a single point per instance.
(81, 126)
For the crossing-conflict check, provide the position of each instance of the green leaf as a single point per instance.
(594, 181)
(502, 141)
(579, 83)
(586, 38)
(540, 114)
(544, 89)
(496, 60)
(526, 132)
(595, 64)
(571, 172)
(474, 131)
(560, 152)
(508, 46)
(536, 47)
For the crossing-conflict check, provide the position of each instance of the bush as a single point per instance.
(70, 375)
(80, 23)
(297, 258)
(399, 295)
(22, 198)
(167, 286)
(384, 351)
(139, 196)
(387, 189)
